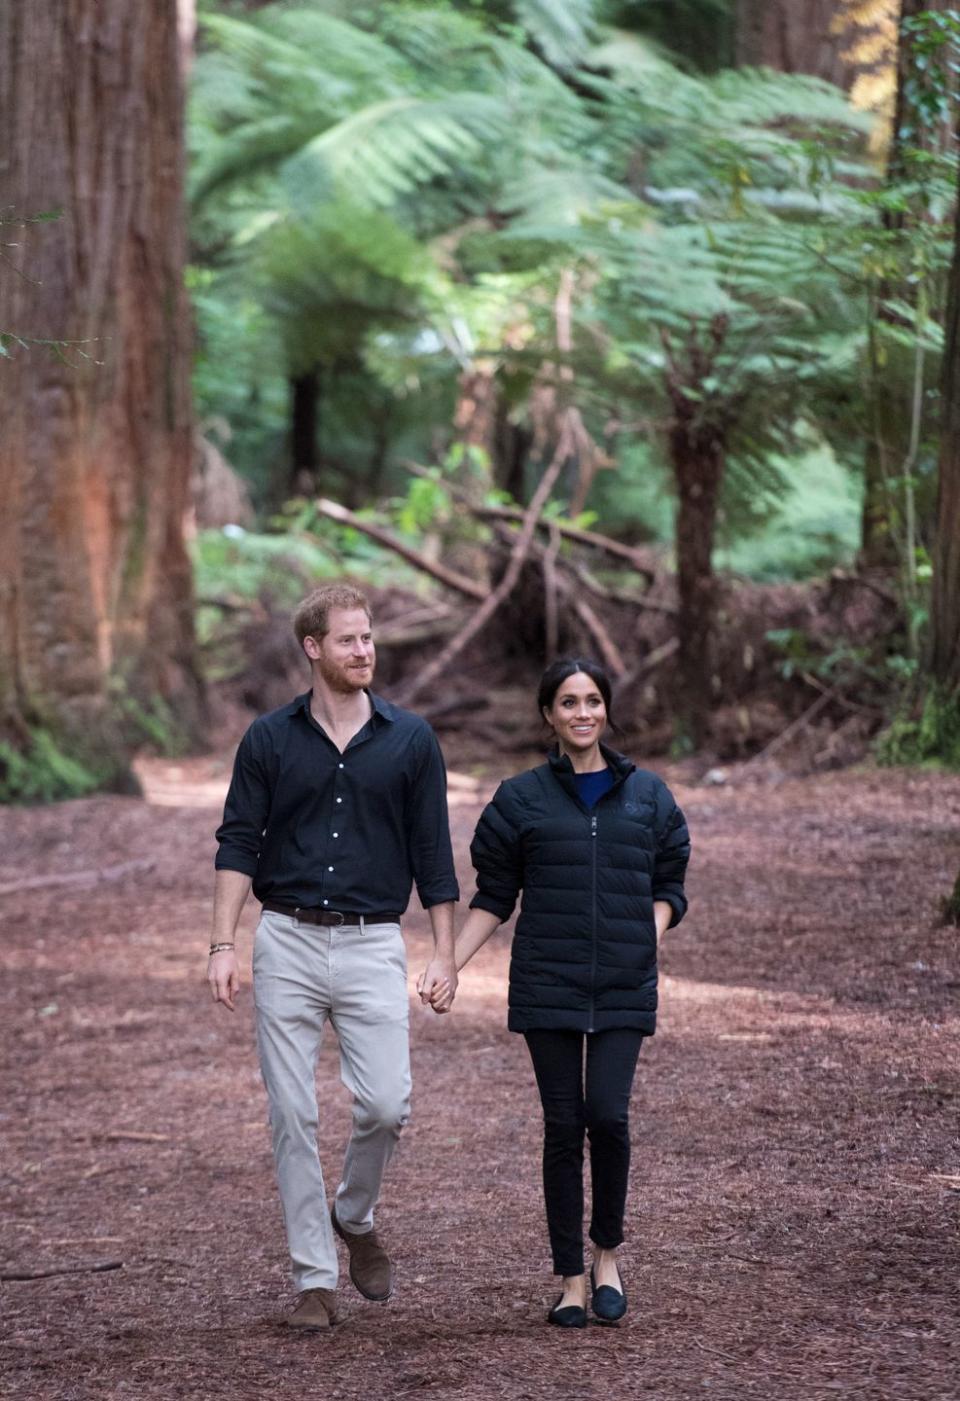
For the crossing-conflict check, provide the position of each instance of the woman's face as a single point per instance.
(578, 714)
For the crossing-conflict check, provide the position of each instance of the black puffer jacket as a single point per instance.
(585, 948)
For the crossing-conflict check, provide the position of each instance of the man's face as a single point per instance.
(345, 655)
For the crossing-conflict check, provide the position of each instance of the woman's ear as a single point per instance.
(544, 711)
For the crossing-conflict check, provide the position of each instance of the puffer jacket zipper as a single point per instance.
(593, 918)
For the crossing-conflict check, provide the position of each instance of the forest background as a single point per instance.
(628, 328)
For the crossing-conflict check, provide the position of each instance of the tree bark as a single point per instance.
(698, 461)
(304, 425)
(96, 605)
(697, 447)
(890, 397)
(792, 36)
(945, 602)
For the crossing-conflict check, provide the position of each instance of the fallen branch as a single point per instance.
(551, 617)
(639, 560)
(94, 1267)
(506, 585)
(88, 877)
(650, 663)
(458, 582)
(793, 728)
(618, 595)
(135, 1136)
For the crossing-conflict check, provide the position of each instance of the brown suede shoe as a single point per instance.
(370, 1267)
(315, 1311)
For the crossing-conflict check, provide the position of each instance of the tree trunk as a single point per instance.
(698, 461)
(696, 437)
(304, 426)
(96, 605)
(792, 36)
(945, 603)
(891, 405)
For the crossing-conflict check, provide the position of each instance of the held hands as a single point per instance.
(437, 984)
(223, 975)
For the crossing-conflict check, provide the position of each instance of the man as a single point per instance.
(337, 805)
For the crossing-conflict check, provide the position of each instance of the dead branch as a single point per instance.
(506, 585)
(92, 1267)
(617, 595)
(608, 649)
(451, 707)
(650, 663)
(87, 877)
(801, 723)
(641, 561)
(458, 582)
(551, 620)
(135, 1136)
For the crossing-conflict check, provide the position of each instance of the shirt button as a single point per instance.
(339, 766)
(326, 902)
(336, 834)
(329, 868)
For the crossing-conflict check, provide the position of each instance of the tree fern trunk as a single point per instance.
(95, 584)
(697, 456)
(304, 428)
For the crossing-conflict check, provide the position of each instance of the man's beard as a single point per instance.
(344, 680)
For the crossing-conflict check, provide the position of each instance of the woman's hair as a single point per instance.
(558, 672)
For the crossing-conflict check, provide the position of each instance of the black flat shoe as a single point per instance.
(608, 1304)
(573, 1316)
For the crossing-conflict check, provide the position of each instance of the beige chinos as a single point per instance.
(355, 977)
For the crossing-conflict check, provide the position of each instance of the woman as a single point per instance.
(599, 849)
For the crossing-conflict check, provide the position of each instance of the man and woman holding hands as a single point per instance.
(336, 809)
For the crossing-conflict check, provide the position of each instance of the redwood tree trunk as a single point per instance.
(890, 393)
(945, 603)
(793, 36)
(95, 582)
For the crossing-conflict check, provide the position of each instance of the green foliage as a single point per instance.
(924, 732)
(806, 519)
(43, 773)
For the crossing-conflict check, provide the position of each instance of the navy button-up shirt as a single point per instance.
(348, 831)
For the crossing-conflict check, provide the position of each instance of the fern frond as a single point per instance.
(560, 29)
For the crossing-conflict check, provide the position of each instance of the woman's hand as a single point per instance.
(437, 984)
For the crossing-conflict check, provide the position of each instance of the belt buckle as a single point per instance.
(339, 918)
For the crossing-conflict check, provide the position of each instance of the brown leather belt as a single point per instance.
(310, 914)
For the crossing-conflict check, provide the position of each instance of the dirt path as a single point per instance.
(793, 1223)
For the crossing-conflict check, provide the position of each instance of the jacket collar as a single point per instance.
(562, 769)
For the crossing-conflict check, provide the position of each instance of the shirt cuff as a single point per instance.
(236, 861)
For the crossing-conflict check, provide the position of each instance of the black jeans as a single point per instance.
(599, 1105)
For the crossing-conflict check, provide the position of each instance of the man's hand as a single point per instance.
(437, 984)
(223, 975)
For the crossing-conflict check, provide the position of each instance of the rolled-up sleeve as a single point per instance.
(498, 859)
(431, 855)
(673, 853)
(246, 809)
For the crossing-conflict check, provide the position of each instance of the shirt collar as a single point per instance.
(381, 707)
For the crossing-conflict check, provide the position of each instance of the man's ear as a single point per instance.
(312, 648)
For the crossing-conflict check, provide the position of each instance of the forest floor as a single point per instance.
(796, 1179)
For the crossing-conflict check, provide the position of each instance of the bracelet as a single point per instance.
(218, 948)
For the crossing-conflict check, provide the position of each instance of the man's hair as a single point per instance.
(312, 616)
